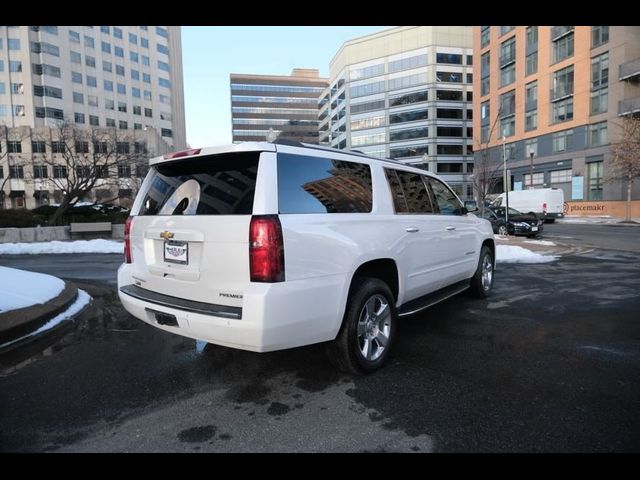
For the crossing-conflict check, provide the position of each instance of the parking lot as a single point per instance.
(550, 363)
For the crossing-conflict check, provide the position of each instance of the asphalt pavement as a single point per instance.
(549, 363)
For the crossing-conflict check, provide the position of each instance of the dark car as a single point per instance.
(519, 223)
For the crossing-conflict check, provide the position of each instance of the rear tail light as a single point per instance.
(266, 249)
(544, 207)
(127, 240)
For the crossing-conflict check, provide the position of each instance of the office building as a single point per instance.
(266, 107)
(557, 96)
(405, 93)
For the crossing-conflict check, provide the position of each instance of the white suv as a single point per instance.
(267, 246)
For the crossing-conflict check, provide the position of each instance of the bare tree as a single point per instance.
(486, 171)
(625, 165)
(86, 159)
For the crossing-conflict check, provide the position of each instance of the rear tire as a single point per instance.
(368, 328)
(482, 281)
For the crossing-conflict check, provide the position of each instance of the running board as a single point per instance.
(426, 301)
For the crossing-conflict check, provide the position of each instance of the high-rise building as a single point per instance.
(120, 82)
(557, 96)
(266, 107)
(125, 77)
(405, 93)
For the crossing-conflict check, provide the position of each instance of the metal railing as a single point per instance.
(629, 69)
(561, 91)
(629, 106)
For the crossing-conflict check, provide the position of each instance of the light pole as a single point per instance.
(506, 183)
(531, 154)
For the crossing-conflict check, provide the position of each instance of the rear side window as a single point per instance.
(448, 203)
(319, 185)
(213, 185)
(409, 192)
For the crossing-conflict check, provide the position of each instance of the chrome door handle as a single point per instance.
(451, 228)
(412, 229)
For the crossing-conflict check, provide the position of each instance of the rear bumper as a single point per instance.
(273, 316)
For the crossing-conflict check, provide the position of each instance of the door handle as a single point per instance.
(450, 228)
(412, 229)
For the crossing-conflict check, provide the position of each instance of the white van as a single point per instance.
(546, 203)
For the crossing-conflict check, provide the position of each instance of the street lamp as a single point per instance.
(506, 182)
(531, 154)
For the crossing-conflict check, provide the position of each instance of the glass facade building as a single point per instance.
(412, 105)
(266, 107)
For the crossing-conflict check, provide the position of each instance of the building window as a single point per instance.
(18, 89)
(74, 37)
(144, 43)
(451, 58)
(111, 122)
(508, 103)
(562, 83)
(82, 147)
(538, 180)
(75, 57)
(40, 171)
(15, 66)
(122, 147)
(13, 44)
(14, 146)
(532, 35)
(106, 47)
(92, 100)
(133, 56)
(162, 48)
(599, 101)
(164, 66)
(122, 89)
(120, 70)
(117, 32)
(90, 61)
(595, 179)
(562, 141)
(485, 64)
(137, 110)
(531, 63)
(148, 112)
(58, 147)
(146, 95)
(135, 91)
(484, 134)
(508, 75)
(78, 117)
(561, 176)
(76, 77)
(104, 29)
(16, 171)
(600, 71)
(92, 81)
(119, 52)
(504, 30)
(599, 36)
(597, 134)
(59, 171)
(38, 146)
(449, 77)
(89, 42)
(100, 147)
(562, 111)
(135, 74)
(563, 47)
(122, 107)
(163, 82)
(122, 125)
(108, 85)
(94, 121)
(485, 85)
(508, 52)
(531, 145)
(133, 38)
(146, 78)
(124, 171)
(531, 120)
(484, 36)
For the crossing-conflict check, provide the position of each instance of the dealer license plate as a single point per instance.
(176, 252)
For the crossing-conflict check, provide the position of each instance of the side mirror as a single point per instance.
(471, 206)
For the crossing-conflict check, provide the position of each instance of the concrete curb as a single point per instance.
(559, 249)
(18, 323)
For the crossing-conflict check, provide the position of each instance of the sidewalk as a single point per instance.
(29, 301)
(602, 220)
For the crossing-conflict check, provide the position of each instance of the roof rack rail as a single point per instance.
(291, 143)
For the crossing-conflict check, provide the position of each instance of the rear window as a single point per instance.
(213, 185)
(318, 185)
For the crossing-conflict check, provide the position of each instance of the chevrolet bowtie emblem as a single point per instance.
(166, 235)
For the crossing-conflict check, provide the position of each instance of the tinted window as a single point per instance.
(318, 185)
(215, 185)
(410, 194)
(447, 202)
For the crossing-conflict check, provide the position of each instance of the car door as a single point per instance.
(421, 255)
(456, 230)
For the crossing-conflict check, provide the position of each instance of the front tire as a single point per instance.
(368, 328)
(482, 280)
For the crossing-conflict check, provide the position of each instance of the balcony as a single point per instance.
(630, 70)
(561, 91)
(507, 59)
(629, 106)
(557, 32)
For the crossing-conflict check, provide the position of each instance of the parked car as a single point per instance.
(267, 246)
(519, 223)
(546, 203)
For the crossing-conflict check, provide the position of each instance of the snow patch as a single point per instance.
(21, 289)
(546, 243)
(82, 301)
(515, 254)
(98, 245)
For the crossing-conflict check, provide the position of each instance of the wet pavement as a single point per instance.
(550, 363)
